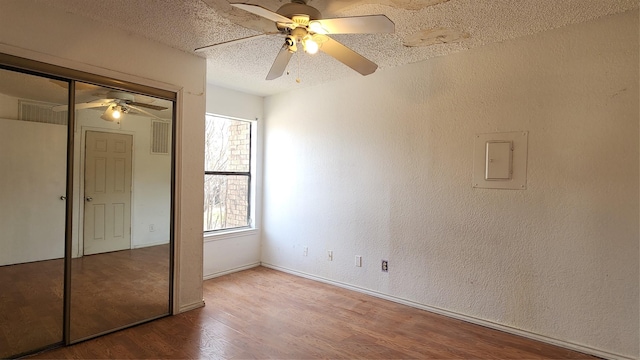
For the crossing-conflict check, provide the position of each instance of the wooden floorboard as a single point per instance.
(266, 314)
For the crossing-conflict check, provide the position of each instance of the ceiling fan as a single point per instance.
(117, 103)
(302, 24)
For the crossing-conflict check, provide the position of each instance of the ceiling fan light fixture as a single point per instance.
(310, 46)
(113, 113)
(316, 27)
(108, 114)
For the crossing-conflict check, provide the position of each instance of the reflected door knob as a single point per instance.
(89, 198)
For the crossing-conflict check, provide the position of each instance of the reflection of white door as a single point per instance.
(107, 192)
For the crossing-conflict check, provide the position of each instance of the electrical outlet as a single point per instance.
(330, 255)
(358, 261)
(385, 266)
(152, 227)
(305, 251)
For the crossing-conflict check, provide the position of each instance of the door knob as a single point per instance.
(89, 198)
(63, 197)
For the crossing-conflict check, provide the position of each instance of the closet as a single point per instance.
(86, 205)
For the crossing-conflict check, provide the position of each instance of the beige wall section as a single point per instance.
(381, 166)
(232, 103)
(30, 29)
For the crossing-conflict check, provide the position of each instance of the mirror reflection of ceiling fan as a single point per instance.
(303, 25)
(117, 103)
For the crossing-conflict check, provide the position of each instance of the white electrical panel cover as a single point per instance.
(500, 160)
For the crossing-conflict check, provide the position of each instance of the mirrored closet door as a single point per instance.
(120, 271)
(33, 165)
(86, 205)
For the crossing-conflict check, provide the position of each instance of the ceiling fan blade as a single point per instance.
(137, 109)
(88, 105)
(265, 13)
(280, 64)
(370, 24)
(348, 57)
(148, 106)
(231, 42)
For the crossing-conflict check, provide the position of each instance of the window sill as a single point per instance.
(229, 234)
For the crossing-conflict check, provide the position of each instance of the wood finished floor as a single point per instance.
(264, 314)
(109, 291)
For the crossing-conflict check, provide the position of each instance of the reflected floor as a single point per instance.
(119, 288)
(30, 306)
(109, 291)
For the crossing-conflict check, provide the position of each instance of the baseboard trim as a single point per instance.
(140, 246)
(192, 306)
(470, 319)
(231, 271)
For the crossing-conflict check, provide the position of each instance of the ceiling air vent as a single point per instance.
(40, 112)
(160, 131)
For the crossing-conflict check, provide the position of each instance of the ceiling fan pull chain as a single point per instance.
(298, 78)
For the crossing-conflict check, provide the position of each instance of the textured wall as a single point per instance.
(30, 29)
(381, 167)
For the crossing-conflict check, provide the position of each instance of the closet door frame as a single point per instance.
(33, 67)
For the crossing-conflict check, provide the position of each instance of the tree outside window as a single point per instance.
(227, 176)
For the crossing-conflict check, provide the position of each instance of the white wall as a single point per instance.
(33, 30)
(33, 159)
(229, 252)
(382, 165)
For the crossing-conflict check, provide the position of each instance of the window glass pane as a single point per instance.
(227, 144)
(226, 203)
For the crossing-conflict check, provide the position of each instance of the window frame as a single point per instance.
(249, 174)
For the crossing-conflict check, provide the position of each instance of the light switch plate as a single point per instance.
(500, 160)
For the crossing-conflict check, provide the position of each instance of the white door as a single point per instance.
(107, 191)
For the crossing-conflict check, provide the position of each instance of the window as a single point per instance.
(227, 177)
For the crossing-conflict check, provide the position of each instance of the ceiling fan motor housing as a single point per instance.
(299, 8)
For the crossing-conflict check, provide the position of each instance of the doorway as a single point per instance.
(107, 192)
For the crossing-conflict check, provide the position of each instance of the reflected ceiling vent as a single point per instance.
(160, 131)
(40, 112)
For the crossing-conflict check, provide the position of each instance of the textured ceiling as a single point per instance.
(432, 27)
